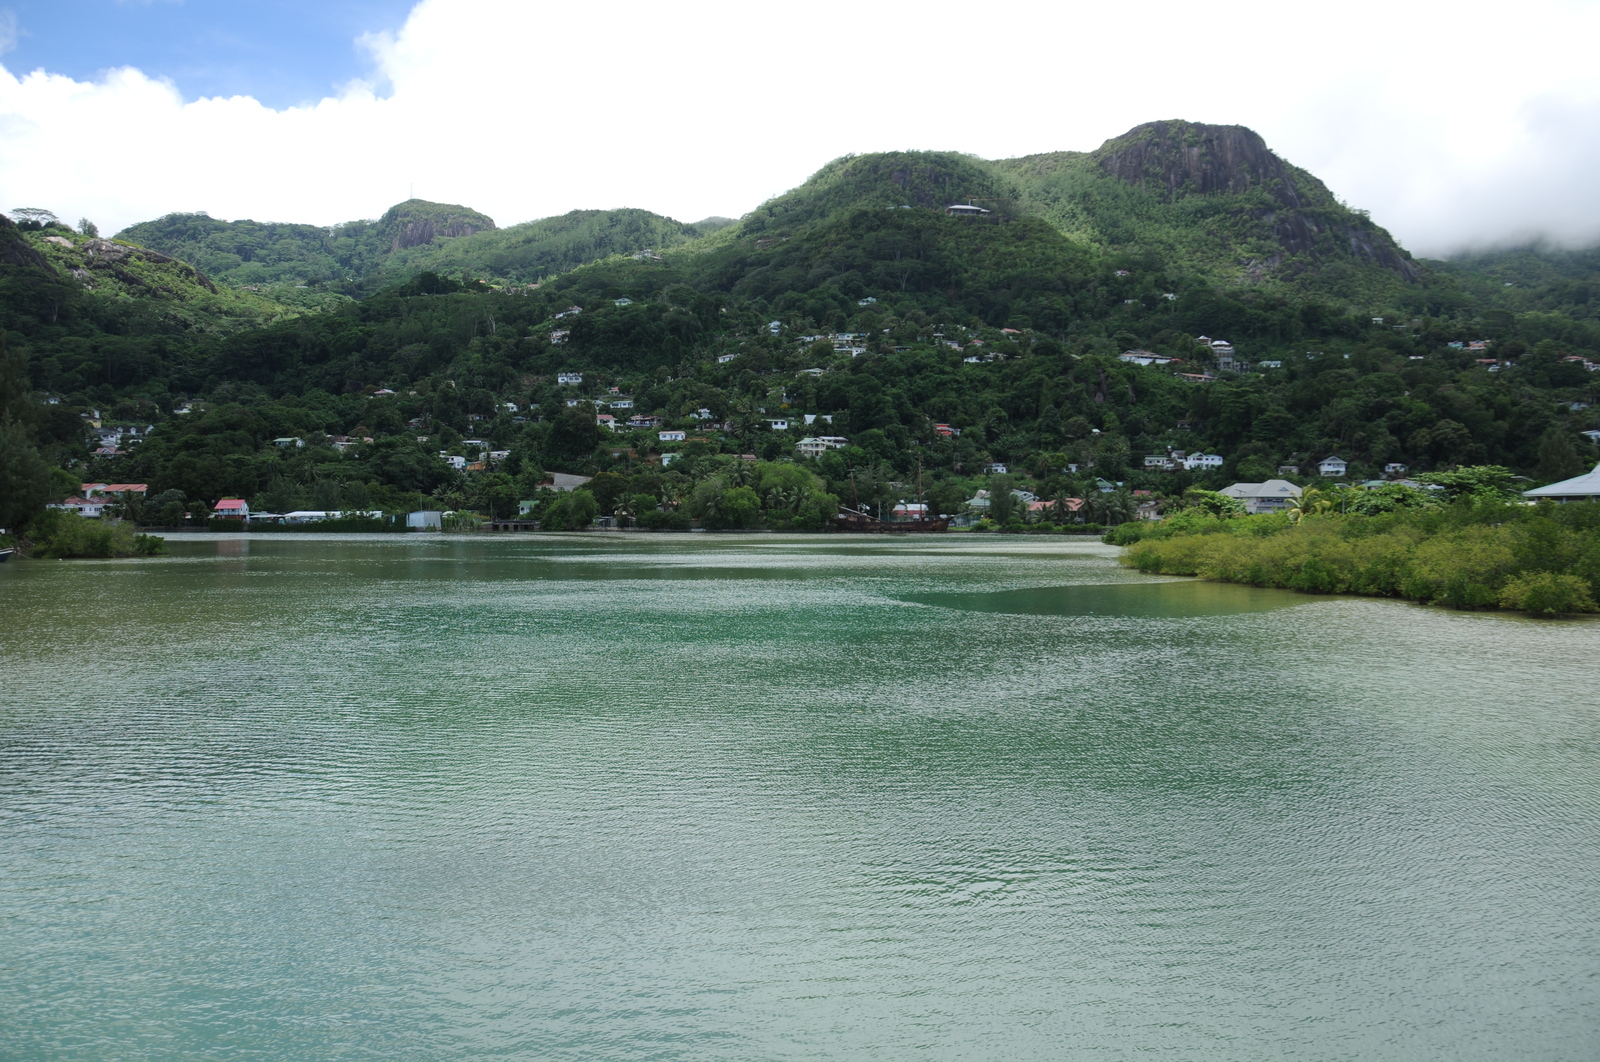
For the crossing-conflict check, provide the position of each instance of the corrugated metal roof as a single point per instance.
(1586, 485)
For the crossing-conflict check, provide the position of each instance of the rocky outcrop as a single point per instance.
(1181, 159)
(104, 254)
(416, 223)
(15, 250)
(1186, 158)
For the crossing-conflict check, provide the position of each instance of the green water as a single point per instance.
(756, 797)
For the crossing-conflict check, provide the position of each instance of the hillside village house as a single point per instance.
(723, 359)
(1202, 461)
(994, 468)
(573, 378)
(606, 420)
(642, 421)
(778, 423)
(672, 435)
(1331, 467)
(90, 507)
(231, 509)
(1145, 357)
(1273, 496)
(816, 447)
(1394, 468)
(91, 490)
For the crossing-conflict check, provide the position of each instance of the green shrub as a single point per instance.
(60, 534)
(1477, 553)
(1548, 593)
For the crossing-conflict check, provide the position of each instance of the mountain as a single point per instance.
(859, 295)
(410, 237)
(1208, 199)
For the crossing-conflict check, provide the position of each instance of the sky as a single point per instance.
(1458, 125)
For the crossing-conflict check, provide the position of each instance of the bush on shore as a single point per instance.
(1471, 554)
(57, 533)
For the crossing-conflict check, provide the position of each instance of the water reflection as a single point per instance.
(1178, 599)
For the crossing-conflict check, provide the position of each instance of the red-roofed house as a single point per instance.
(232, 509)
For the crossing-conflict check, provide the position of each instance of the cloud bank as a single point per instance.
(1456, 125)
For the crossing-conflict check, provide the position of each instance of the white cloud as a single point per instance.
(1453, 123)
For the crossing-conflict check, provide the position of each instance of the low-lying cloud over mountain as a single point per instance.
(1455, 125)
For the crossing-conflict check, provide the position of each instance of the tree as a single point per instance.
(88, 228)
(1310, 503)
(573, 435)
(24, 475)
(1558, 458)
(1483, 481)
(1212, 503)
(1002, 503)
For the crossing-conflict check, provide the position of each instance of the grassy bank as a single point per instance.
(1473, 553)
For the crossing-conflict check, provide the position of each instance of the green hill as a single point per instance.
(858, 296)
(1212, 201)
(410, 237)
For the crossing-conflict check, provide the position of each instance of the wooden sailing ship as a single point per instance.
(851, 520)
(861, 520)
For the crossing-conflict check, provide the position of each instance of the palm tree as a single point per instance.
(1310, 503)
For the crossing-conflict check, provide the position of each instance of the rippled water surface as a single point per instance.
(756, 797)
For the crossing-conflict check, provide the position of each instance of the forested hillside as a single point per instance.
(411, 237)
(1281, 328)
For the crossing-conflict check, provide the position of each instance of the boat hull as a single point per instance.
(863, 524)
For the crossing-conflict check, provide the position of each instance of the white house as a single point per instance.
(573, 378)
(606, 420)
(1202, 461)
(723, 359)
(816, 447)
(994, 468)
(672, 435)
(964, 210)
(622, 302)
(232, 509)
(778, 423)
(1144, 357)
(455, 461)
(1331, 466)
(1394, 468)
(425, 520)
(812, 418)
(90, 507)
(1273, 496)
